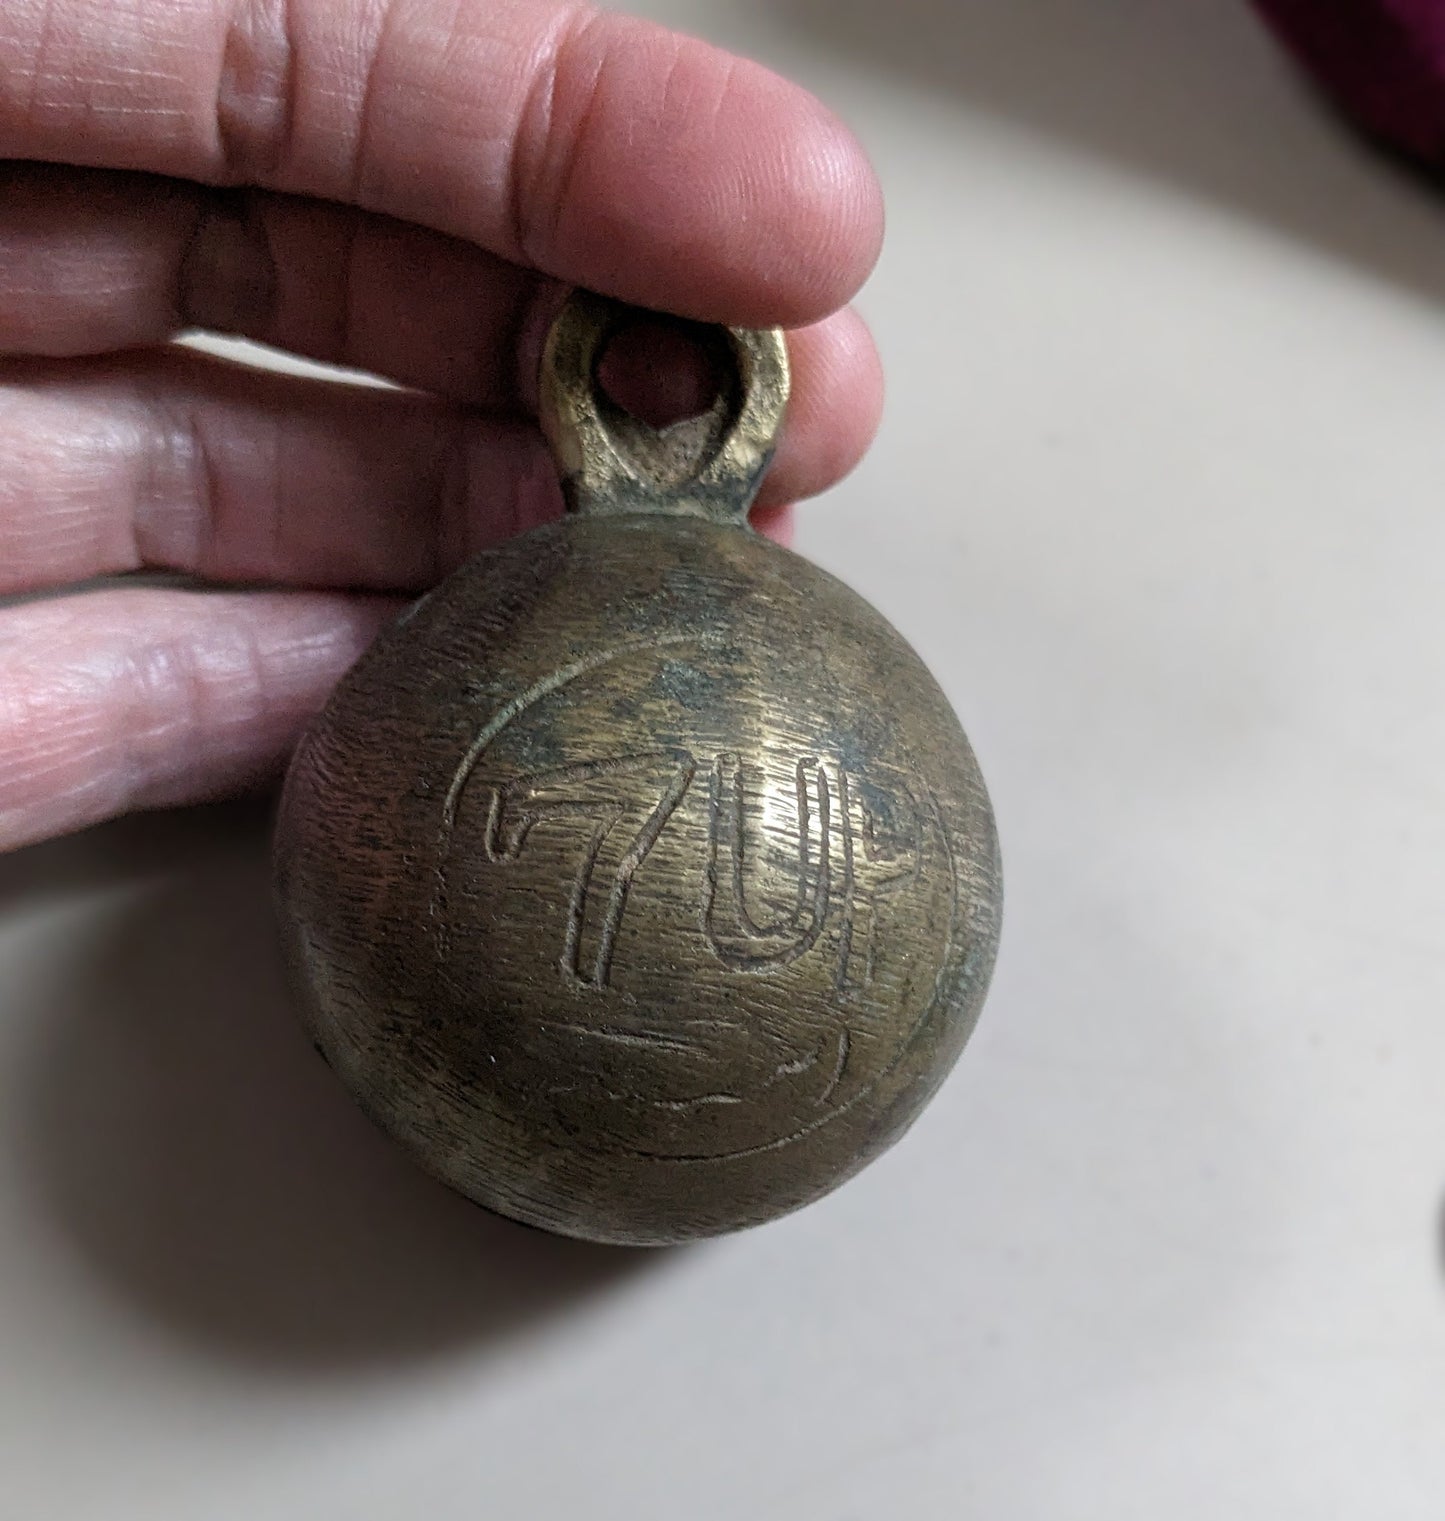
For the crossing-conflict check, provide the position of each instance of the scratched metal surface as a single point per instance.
(1158, 500)
(641, 881)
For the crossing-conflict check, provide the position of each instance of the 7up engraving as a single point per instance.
(845, 846)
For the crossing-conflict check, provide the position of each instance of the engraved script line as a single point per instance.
(533, 695)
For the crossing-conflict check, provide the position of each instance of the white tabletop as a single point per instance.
(1161, 496)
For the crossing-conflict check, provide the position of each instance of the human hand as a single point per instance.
(399, 186)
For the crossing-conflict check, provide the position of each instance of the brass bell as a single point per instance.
(640, 880)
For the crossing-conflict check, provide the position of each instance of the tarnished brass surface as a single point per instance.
(641, 881)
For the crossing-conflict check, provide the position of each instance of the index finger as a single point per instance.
(602, 150)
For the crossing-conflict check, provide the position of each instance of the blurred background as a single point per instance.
(1159, 498)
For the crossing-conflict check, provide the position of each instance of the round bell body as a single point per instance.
(640, 881)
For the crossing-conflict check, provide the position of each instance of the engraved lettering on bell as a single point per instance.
(770, 876)
(641, 882)
(599, 802)
(736, 937)
(598, 796)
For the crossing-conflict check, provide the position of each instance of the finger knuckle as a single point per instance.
(552, 127)
(256, 90)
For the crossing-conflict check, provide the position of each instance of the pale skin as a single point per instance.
(399, 186)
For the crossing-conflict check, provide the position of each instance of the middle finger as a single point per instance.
(95, 261)
(170, 459)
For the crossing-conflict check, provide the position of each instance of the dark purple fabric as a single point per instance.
(1382, 60)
